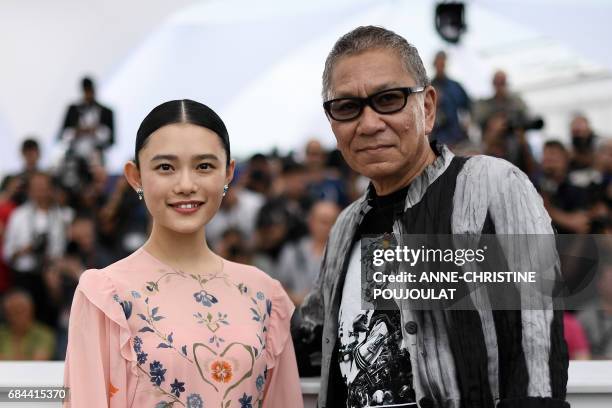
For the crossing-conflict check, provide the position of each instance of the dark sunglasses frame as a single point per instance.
(362, 102)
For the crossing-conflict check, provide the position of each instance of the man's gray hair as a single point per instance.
(372, 37)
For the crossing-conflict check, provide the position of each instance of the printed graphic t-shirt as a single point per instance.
(375, 369)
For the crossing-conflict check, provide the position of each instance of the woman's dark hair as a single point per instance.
(181, 111)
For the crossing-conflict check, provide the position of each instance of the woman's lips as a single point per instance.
(186, 207)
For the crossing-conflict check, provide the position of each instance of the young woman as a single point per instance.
(173, 324)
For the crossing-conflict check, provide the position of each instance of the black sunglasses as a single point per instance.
(385, 102)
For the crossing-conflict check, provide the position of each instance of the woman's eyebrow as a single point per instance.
(172, 157)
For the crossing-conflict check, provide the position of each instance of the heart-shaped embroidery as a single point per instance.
(224, 368)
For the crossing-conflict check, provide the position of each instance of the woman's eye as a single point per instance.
(205, 166)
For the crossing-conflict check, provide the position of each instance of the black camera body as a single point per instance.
(522, 123)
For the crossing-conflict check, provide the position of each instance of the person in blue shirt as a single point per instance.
(452, 102)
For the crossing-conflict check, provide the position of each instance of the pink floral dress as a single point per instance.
(145, 335)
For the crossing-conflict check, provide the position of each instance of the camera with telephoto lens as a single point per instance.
(523, 123)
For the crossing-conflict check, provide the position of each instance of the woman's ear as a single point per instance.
(230, 172)
(132, 174)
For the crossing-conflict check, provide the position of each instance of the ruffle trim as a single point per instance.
(279, 329)
(100, 291)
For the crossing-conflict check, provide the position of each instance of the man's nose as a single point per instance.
(370, 122)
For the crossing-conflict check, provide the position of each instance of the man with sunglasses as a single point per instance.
(381, 108)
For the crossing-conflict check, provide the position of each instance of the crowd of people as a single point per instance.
(277, 214)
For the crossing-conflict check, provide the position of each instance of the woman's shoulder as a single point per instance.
(114, 274)
(251, 274)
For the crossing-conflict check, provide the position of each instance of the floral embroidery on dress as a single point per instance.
(246, 401)
(157, 376)
(213, 324)
(260, 382)
(126, 305)
(168, 342)
(224, 366)
(194, 401)
(141, 356)
(261, 311)
(205, 298)
(153, 286)
(112, 390)
(221, 371)
(156, 372)
(177, 387)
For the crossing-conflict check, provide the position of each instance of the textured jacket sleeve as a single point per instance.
(533, 358)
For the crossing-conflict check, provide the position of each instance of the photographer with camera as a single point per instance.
(506, 138)
(504, 119)
(36, 233)
(502, 101)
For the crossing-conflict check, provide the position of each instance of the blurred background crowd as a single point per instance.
(57, 222)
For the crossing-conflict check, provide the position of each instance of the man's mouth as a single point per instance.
(374, 148)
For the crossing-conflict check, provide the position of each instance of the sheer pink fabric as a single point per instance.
(142, 334)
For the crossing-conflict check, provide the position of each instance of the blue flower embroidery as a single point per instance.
(205, 298)
(137, 344)
(194, 401)
(126, 305)
(141, 357)
(269, 306)
(127, 308)
(177, 387)
(157, 371)
(259, 383)
(245, 401)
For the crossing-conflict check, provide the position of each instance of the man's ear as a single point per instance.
(132, 174)
(430, 100)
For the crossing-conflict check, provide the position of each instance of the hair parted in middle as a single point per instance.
(181, 111)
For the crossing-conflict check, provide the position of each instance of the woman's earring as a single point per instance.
(225, 188)
(140, 193)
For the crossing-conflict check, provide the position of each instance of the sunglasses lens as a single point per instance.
(391, 101)
(344, 109)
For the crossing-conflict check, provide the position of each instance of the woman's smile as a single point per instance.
(186, 207)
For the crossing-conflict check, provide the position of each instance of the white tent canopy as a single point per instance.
(261, 68)
(259, 64)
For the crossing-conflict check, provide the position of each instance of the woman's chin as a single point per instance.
(186, 228)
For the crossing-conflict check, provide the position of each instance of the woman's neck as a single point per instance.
(186, 252)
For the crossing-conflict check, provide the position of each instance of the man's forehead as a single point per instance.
(371, 88)
(373, 70)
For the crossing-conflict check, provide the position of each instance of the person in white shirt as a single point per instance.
(35, 234)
